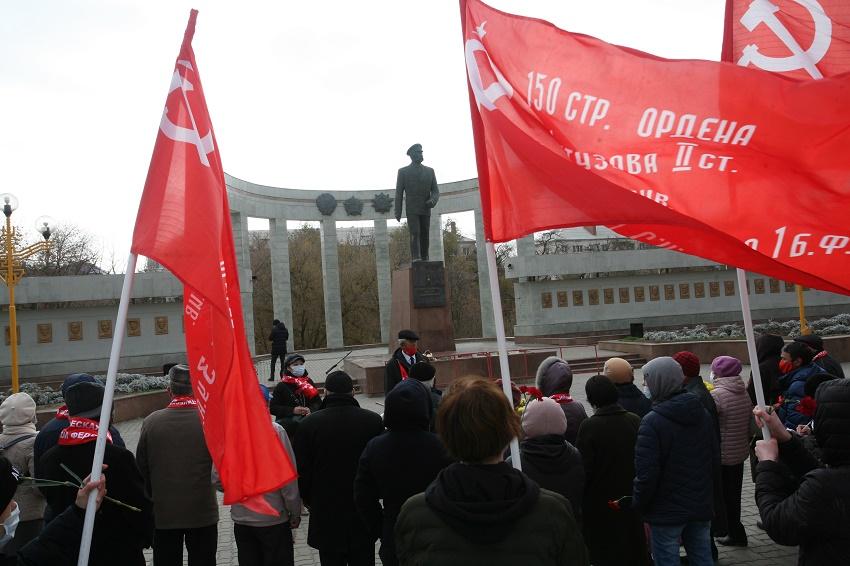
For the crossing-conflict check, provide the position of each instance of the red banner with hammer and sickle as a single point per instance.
(184, 224)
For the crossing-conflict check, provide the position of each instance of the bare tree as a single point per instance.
(73, 251)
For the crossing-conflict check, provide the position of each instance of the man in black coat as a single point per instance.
(398, 464)
(328, 446)
(120, 534)
(398, 367)
(278, 338)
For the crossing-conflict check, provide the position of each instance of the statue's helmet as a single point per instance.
(414, 147)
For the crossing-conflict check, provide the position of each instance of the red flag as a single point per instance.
(732, 164)
(184, 224)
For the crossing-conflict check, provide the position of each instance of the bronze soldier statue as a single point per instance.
(420, 184)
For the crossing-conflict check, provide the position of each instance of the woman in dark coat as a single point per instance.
(295, 396)
(607, 444)
(769, 352)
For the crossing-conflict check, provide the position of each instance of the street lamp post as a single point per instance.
(12, 271)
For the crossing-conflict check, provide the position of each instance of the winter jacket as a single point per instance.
(120, 534)
(174, 461)
(830, 365)
(769, 352)
(285, 398)
(327, 446)
(697, 386)
(575, 413)
(632, 399)
(793, 386)
(607, 444)
(398, 464)
(487, 514)
(555, 464)
(48, 437)
(278, 337)
(735, 411)
(20, 454)
(392, 370)
(676, 456)
(58, 544)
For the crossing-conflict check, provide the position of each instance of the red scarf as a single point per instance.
(561, 398)
(820, 355)
(302, 385)
(182, 401)
(80, 431)
(62, 413)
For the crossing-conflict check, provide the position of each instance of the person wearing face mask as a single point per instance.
(295, 396)
(797, 367)
(398, 367)
(17, 413)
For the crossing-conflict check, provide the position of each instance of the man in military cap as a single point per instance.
(420, 184)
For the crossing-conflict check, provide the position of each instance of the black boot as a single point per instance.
(729, 541)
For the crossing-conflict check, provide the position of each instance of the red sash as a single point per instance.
(302, 385)
(80, 431)
(62, 413)
(181, 402)
(561, 398)
(402, 370)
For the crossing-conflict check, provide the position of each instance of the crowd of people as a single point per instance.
(656, 465)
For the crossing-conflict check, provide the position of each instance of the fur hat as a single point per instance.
(554, 376)
(543, 416)
(618, 370)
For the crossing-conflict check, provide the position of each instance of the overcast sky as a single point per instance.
(310, 95)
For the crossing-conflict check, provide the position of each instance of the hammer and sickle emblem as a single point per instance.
(484, 97)
(191, 135)
(763, 11)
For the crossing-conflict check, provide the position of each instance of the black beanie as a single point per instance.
(422, 371)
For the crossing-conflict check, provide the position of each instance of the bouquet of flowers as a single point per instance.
(527, 393)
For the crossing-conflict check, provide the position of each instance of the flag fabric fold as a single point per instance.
(735, 165)
(184, 224)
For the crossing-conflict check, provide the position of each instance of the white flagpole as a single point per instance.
(106, 408)
(751, 343)
(496, 295)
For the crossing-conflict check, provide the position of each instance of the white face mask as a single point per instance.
(10, 525)
(297, 371)
(711, 377)
(646, 392)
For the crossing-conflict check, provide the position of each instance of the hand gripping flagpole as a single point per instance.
(751, 344)
(106, 408)
(496, 296)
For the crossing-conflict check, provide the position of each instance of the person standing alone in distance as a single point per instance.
(420, 184)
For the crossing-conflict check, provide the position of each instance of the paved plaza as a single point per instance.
(761, 552)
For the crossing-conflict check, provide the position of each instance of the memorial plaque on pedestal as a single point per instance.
(422, 303)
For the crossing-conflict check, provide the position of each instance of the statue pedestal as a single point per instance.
(421, 303)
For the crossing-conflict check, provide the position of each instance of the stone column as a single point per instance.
(246, 284)
(330, 283)
(525, 248)
(281, 285)
(488, 322)
(382, 261)
(435, 238)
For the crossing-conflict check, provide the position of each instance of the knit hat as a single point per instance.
(74, 379)
(618, 370)
(339, 382)
(600, 391)
(422, 371)
(8, 482)
(554, 376)
(689, 362)
(726, 366)
(84, 399)
(543, 416)
(663, 377)
(17, 409)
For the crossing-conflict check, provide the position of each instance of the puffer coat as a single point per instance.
(734, 411)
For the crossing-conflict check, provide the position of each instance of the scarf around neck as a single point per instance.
(80, 430)
(182, 401)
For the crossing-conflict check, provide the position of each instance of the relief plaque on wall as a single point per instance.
(75, 330)
(699, 290)
(774, 285)
(759, 286)
(160, 325)
(134, 327)
(654, 294)
(789, 287)
(729, 288)
(593, 297)
(684, 290)
(44, 333)
(669, 293)
(578, 298)
(624, 294)
(562, 299)
(546, 300)
(639, 295)
(714, 289)
(608, 296)
(9, 335)
(104, 329)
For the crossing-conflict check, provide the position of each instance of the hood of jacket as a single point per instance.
(683, 408)
(481, 501)
(408, 406)
(769, 346)
(832, 421)
(550, 453)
